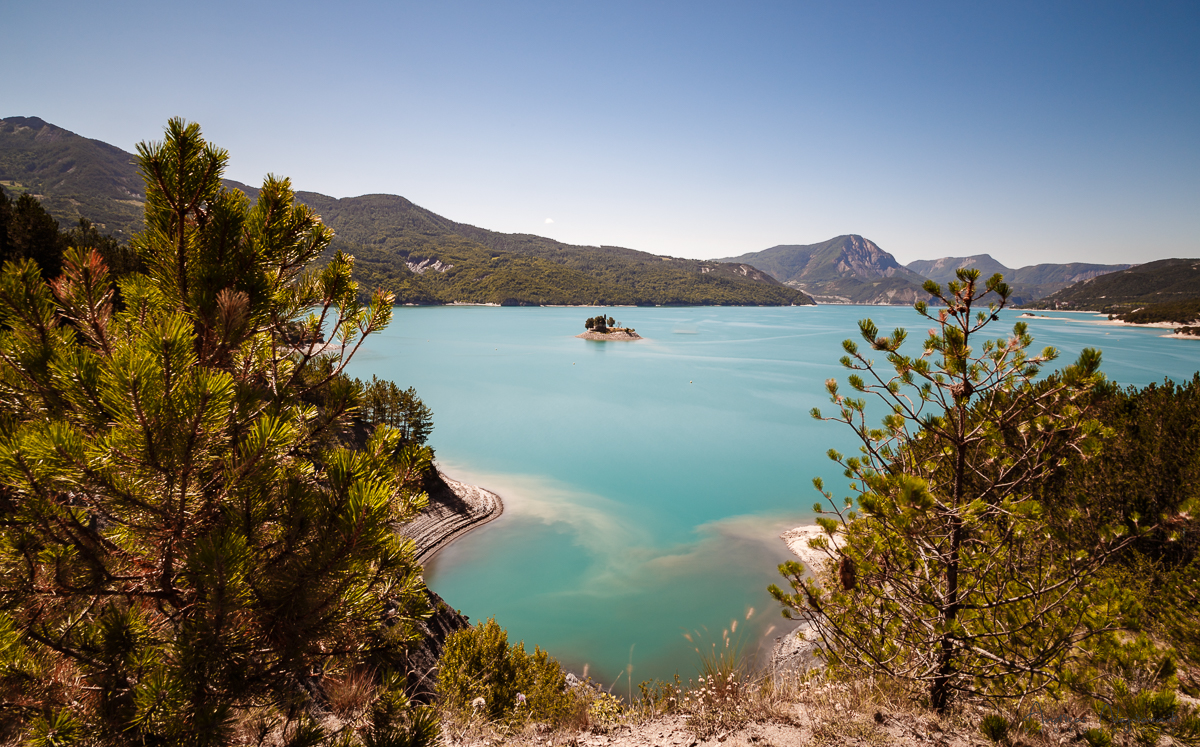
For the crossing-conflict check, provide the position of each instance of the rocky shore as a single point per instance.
(454, 509)
(612, 334)
(797, 651)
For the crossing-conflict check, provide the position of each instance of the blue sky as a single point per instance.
(1036, 132)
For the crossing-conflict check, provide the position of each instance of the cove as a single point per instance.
(646, 483)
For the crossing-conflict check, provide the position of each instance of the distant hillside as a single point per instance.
(845, 269)
(942, 270)
(1166, 281)
(71, 176)
(1186, 311)
(418, 255)
(423, 257)
(1029, 283)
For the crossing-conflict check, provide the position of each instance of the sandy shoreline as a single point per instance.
(1103, 321)
(797, 649)
(797, 541)
(451, 513)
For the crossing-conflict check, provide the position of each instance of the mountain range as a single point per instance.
(852, 269)
(845, 269)
(1029, 283)
(418, 255)
(424, 258)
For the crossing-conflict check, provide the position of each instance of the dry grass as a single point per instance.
(349, 695)
(727, 705)
(591, 713)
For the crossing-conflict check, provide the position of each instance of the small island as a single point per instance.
(602, 328)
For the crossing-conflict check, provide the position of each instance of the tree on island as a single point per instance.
(602, 324)
(953, 577)
(186, 547)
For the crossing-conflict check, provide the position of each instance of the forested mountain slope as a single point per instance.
(418, 255)
(72, 176)
(423, 257)
(1159, 282)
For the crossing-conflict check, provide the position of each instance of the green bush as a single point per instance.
(994, 727)
(605, 709)
(479, 663)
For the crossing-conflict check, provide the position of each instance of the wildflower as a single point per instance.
(520, 699)
(478, 703)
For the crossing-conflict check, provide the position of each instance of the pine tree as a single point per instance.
(953, 577)
(185, 546)
(402, 409)
(27, 231)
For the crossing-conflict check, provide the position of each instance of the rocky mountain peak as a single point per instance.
(862, 257)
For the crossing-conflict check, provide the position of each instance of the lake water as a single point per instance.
(646, 483)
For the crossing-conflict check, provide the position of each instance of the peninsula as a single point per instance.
(454, 509)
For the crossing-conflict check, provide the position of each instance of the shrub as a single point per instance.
(994, 727)
(515, 685)
(604, 710)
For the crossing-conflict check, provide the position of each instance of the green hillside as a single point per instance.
(1179, 312)
(73, 177)
(1166, 281)
(1044, 275)
(421, 257)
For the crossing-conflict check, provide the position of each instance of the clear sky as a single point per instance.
(1036, 132)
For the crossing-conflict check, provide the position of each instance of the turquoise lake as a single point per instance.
(646, 483)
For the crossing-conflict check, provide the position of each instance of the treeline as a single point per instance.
(386, 233)
(1186, 311)
(599, 323)
(478, 275)
(1145, 476)
(1159, 282)
(384, 403)
(29, 232)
